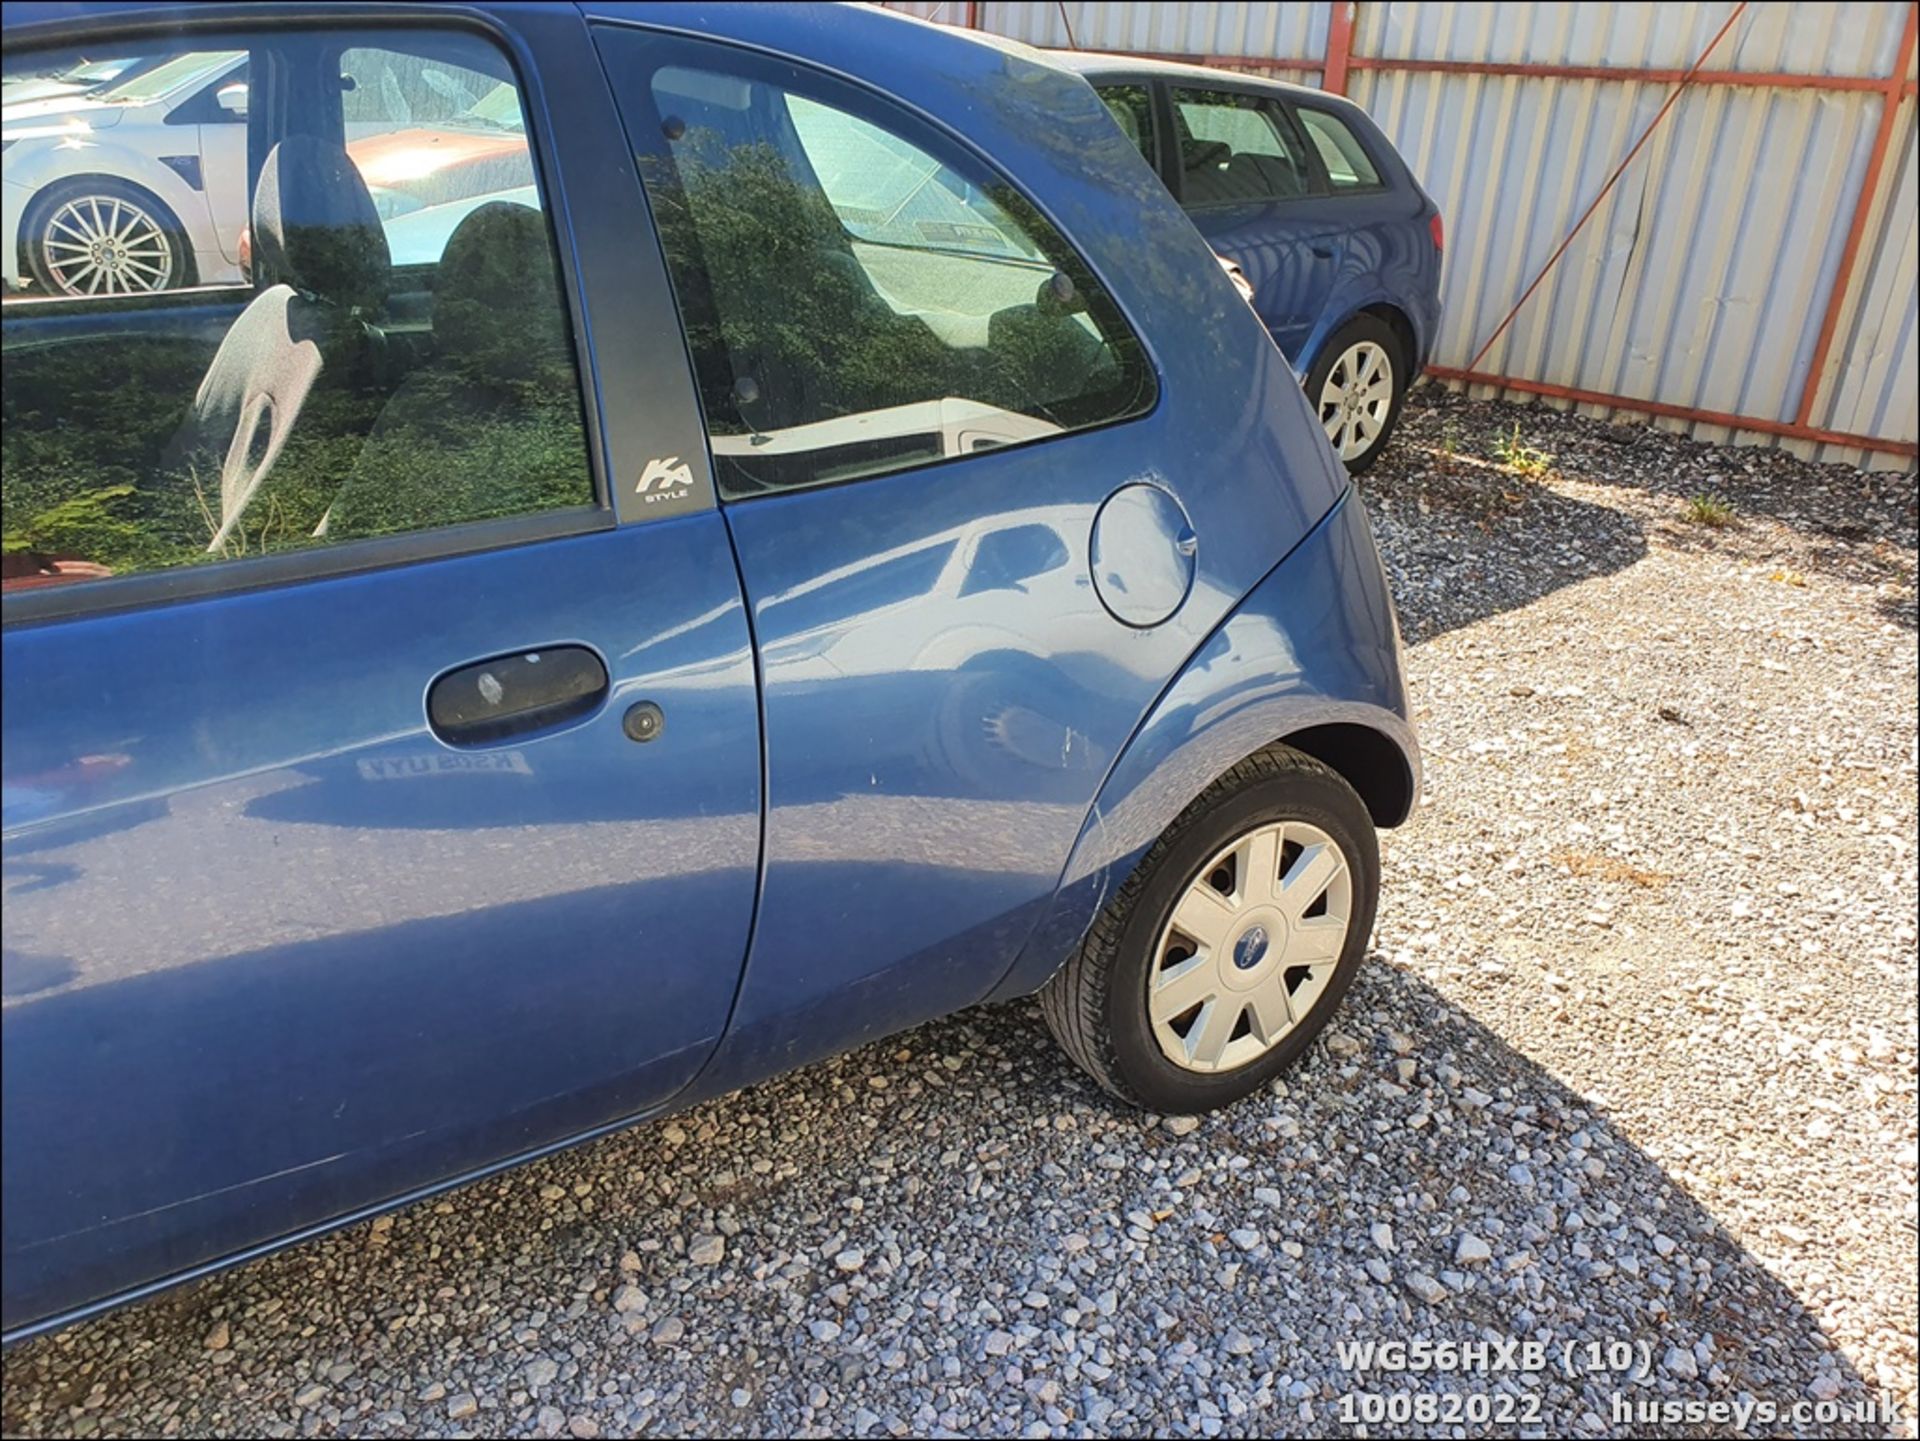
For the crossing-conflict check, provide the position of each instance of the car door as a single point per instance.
(921, 409)
(1246, 176)
(414, 826)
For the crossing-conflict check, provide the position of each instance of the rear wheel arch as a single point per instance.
(1366, 759)
(1401, 324)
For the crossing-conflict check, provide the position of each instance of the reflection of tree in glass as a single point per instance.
(788, 328)
(488, 426)
(491, 425)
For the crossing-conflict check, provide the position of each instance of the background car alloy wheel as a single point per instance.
(1229, 946)
(1356, 399)
(1356, 387)
(1250, 946)
(105, 238)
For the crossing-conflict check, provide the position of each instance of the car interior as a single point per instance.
(1261, 166)
(998, 324)
(325, 399)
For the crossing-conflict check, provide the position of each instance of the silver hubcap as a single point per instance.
(1356, 398)
(100, 245)
(1250, 947)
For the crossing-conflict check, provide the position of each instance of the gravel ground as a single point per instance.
(1634, 1061)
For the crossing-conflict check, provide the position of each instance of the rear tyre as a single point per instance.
(94, 235)
(1356, 387)
(1223, 955)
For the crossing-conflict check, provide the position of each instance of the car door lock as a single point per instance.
(643, 721)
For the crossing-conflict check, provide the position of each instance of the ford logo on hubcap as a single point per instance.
(1251, 948)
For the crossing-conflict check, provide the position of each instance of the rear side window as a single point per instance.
(1348, 167)
(1132, 111)
(1236, 148)
(225, 355)
(860, 296)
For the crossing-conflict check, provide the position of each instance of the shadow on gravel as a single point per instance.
(1464, 540)
(990, 1190)
(1822, 519)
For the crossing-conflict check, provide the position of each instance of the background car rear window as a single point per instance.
(1132, 111)
(1348, 167)
(1236, 148)
(861, 298)
(195, 370)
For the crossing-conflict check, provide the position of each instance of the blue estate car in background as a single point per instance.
(1300, 189)
(818, 544)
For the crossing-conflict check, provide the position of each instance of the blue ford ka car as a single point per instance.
(1299, 188)
(774, 529)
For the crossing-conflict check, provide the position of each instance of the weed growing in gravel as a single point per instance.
(1520, 458)
(1709, 510)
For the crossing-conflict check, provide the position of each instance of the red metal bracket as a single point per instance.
(1891, 89)
(1607, 189)
(1678, 412)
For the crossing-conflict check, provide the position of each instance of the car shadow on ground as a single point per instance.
(1762, 505)
(1464, 539)
(973, 1219)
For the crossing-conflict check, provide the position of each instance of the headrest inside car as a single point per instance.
(315, 227)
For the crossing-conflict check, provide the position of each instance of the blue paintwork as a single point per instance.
(1316, 262)
(276, 957)
(1315, 644)
(275, 942)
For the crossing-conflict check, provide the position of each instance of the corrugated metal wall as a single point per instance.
(1703, 279)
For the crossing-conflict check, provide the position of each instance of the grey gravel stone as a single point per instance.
(706, 1250)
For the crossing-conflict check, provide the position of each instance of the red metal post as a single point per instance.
(1605, 190)
(1333, 78)
(973, 14)
(1678, 412)
(1869, 188)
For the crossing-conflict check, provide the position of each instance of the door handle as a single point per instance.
(491, 700)
(1324, 252)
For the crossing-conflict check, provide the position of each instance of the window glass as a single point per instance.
(433, 140)
(857, 300)
(1235, 148)
(1133, 112)
(1348, 167)
(354, 388)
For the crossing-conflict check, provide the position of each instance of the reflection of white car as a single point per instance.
(73, 80)
(140, 184)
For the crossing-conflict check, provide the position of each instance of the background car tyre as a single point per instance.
(1230, 945)
(1355, 388)
(94, 235)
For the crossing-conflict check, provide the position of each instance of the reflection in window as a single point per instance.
(357, 388)
(1234, 149)
(1348, 167)
(1133, 113)
(857, 304)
